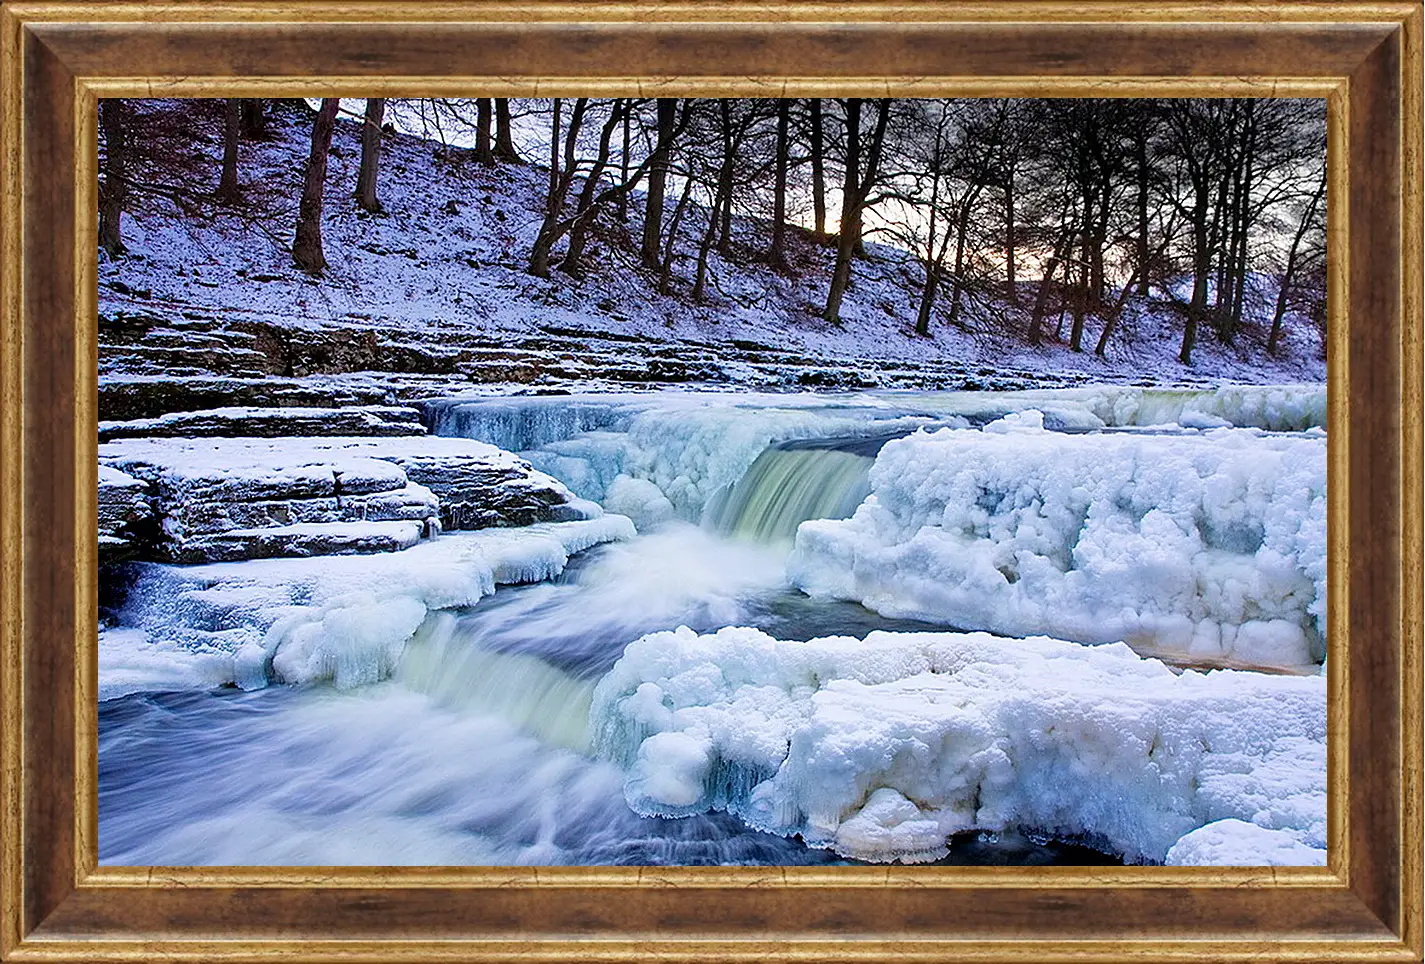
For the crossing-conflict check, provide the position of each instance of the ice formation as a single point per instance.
(693, 446)
(1205, 546)
(880, 749)
(339, 618)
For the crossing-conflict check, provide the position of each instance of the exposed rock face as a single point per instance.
(147, 396)
(370, 420)
(310, 539)
(125, 516)
(157, 361)
(224, 499)
(478, 493)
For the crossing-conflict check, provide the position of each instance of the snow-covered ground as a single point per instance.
(448, 257)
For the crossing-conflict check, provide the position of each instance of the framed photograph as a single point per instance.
(535, 481)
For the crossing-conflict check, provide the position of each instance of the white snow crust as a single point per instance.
(880, 749)
(340, 618)
(1205, 546)
(1237, 843)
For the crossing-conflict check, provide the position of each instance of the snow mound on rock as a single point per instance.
(881, 749)
(1205, 546)
(340, 618)
(1234, 842)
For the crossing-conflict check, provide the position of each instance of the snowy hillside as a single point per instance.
(446, 261)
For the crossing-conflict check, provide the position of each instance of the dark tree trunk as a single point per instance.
(624, 164)
(1202, 268)
(1244, 221)
(927, 299)
(1111, 321)
(722, 202)
(778, 254)
(818, 172)
(1141, 150)
(1041, 298)
(586, 212)
(1097, 233)
(504, 137)
(657, 182)
(1067, 285)
(370, 154)
(1274, 339)
(846, 236)
(553, 201)
(665, 273)
(700, 275)
(724, 227)
(254, 118)
(1011, 284)
(232, 123)
(484, 144)
(1081, 297)
(115, 189)
(853, 202)
(307, 248)
(934, 261)
(962, 228)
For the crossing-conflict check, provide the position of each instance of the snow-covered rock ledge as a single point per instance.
(881, 749)
(340, 618)
(1205, 546)
(267, 422)
(224, 499)
(123, 512)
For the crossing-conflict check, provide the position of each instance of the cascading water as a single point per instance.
(786, 486)
(476, 750)
(796, 481)
(517, 425)
(443, 662)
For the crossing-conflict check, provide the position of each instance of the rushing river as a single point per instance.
(477, 749)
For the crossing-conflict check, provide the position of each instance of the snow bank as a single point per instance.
(880, 749)
(1278, 408)
(339, 618)
(1204, 546)
(1234, 842)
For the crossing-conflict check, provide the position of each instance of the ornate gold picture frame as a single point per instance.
(59, 58)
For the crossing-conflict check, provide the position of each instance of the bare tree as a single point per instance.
(307, 248)
(254, 118)
(504, 138)
(484, 144)
(232, 121)
(778, 254)
(817, 149)
(657, 181)
(855, 189)
(1307, 222)
(370, 154)
(113, 120)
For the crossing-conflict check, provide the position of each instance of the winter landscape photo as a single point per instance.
(673, 481)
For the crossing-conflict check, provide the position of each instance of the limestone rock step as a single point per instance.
(270, 422)
(221, 499)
